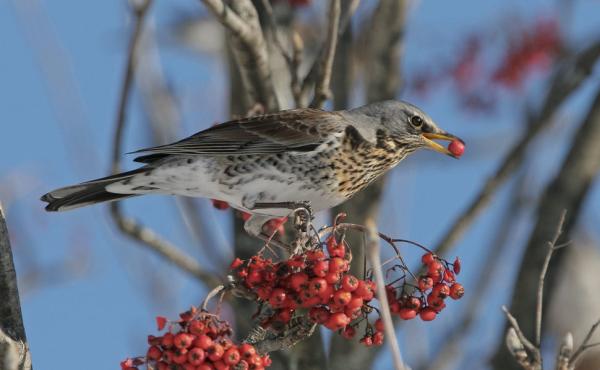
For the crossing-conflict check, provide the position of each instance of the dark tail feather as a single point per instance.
(86, 193)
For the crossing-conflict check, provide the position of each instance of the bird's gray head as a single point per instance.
(407, 124)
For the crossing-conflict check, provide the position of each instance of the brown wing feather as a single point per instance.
(299, 129)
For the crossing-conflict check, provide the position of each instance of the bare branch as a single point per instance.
(515, 325)
(540, 291)
(566, 80)
(375, 261)
(249, 48)
(322, 89)
(14, 350)
(585, 344)
(128, 226)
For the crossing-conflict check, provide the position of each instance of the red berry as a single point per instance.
(435, 302)
(183, 340)
(456, 291)
(215, 352)
(353, 312)
(277, 298)
(349, 283)
(427, 258)
(407, 313)
(247, 350)
(435, 267)
(379, 325)
(201, 367)
(355, 302)
(321, 268)
(427, 314)
(449, 276)
(337, 264)
(333, 278)
(456, 147)
(180, 358)
(195, 356)
(220, 204)
(412, 302)
(167, 340)
(363, 290)
(266, 361)
(315, 255)
(246, 216)
(154, 353)
(367, 341)
(342, 297)
(196, 327)
(236, 263)
(440, 290)
(337, 321)
(456, 266)
(232, 356)
(319, 314)
(317, 286)
(348, 332)
(203, 341)
(297, 280)
(378, 338)
(425, 283)
(161, 322)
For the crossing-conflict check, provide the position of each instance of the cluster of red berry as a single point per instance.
(314, 280)
(438, 283)
(197, 341)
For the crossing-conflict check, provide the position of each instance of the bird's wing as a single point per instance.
(291, 130)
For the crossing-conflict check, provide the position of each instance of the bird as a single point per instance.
(265, 163)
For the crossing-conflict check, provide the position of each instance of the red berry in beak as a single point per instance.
(456, 147)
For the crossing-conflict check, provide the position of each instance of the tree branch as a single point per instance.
(14, 350)
(241, 20)
(322, 89)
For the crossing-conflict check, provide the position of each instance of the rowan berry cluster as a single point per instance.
(315, 281)
(197, 341)
(433, 287)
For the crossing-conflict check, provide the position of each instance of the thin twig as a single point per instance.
(128, 226)
(584, 345)
(322, 89)
(515, 324)
(384, 309)
(540, 291)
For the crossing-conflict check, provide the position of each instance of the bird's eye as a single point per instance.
(416, 121)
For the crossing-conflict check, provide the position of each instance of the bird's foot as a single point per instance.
(302, 210)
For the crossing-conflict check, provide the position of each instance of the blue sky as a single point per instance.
(103, 306)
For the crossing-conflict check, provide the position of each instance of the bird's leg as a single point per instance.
(302, 211)
(303, 215)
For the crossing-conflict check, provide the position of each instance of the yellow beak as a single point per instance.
(429, 137)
